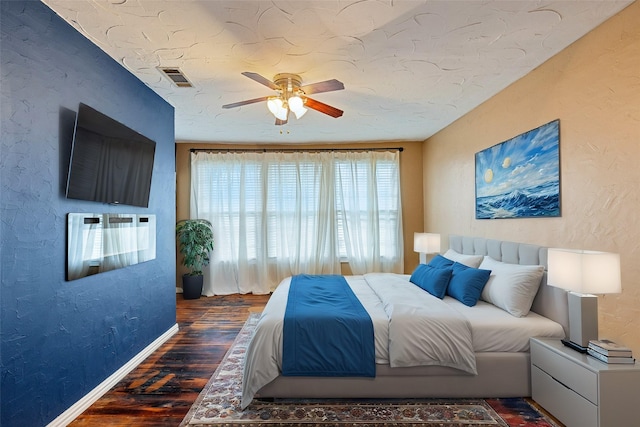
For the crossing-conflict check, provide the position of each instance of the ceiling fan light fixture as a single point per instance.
(278, 108)
(296, 104)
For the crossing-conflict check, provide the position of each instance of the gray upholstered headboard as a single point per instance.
(549, 301)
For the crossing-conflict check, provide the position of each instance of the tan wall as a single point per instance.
(410, 178)
(593, 87)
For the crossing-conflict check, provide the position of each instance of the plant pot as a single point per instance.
(191, 286)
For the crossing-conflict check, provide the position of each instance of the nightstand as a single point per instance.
(581, 391)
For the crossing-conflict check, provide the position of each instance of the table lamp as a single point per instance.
(583, 273)
(426, 243)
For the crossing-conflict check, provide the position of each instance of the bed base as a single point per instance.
(499, 375)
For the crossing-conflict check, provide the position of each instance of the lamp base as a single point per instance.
(583, 318)
(574, 346)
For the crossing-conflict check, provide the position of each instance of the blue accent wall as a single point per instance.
(61, 339)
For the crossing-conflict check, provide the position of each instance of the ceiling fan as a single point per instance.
(292, 96)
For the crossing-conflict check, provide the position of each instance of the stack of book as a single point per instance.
(609, 352)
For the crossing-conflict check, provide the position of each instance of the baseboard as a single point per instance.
(89, 399)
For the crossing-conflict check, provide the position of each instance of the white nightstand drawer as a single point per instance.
(569, 373)
(579, 390)
(569, 407)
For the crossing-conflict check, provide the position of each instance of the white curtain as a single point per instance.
(275, 214)
(370, 210)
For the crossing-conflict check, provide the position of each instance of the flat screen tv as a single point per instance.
(110, 163)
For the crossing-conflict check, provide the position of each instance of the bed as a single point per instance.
(499, 363)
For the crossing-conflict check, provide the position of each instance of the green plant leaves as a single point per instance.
(195, 242)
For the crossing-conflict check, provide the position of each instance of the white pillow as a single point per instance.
(472, 261)
(512, 287)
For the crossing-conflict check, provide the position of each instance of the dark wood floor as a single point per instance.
(160, 391)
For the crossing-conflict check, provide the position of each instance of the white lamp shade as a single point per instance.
(587, 272)
(426, 243)
(277, 108)
(297, 106)
(299, 112)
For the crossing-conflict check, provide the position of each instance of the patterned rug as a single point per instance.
(219, 404)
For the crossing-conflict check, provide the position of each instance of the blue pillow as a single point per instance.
(466, 283)
(418, 274)
(439, 261)
(431, 279)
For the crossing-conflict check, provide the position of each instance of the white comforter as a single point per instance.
(411, 327)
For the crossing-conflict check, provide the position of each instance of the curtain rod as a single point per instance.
(288, 150)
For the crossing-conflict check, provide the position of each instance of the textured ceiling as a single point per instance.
(409, 68)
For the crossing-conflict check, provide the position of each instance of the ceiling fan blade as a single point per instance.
(326, 86)
(262, 80)
(248, 101)
(323, 108)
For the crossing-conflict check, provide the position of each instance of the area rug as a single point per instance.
(219, 405)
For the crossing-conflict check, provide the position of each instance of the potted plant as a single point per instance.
(195, 242)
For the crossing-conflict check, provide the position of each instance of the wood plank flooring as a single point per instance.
(160, 391)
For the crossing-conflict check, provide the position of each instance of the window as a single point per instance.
(370, 198)
(302, 209)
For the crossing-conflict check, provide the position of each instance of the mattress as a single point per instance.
(494, 330)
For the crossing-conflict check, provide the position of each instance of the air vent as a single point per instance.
(176, 76)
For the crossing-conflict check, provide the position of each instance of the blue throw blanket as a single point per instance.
(327, 331)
